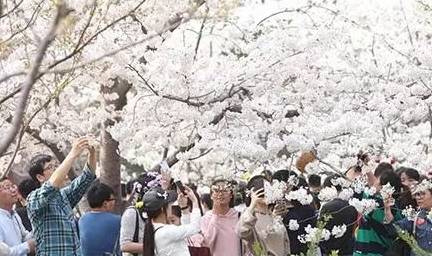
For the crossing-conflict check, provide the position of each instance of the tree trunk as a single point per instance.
(109, 158)
(110, 166)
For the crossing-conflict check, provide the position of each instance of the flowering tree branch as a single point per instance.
(36, 134)
(62, 12)
(28, 24)
(10, 11)
(172, 159)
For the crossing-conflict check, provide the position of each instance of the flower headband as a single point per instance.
(224, 186)
(423, 186)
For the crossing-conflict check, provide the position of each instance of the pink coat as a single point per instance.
(219, 233)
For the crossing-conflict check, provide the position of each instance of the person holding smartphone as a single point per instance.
(256, 224)
(161, 237)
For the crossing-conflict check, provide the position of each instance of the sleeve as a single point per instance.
(209, 229)
(25, 234)
(287, 248)
(17, 250)
(185, 230)
(39, 198)
(377, 215)
(127, 225)
(185, 219)
(246, 225)
(405, 224)
(78, 187)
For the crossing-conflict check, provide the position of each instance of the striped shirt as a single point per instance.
(372, 238)
(51, 214)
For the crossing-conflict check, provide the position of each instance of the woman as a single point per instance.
(133, 218)
(421, 225)
(373, 238)
(218, 225)
(256, 224)
(162, 238)
(409, 178)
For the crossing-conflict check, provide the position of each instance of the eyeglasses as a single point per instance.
(11, 187)
(221, 189)
(51, 166)
(419, 194)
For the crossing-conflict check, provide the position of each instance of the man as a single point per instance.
(24, 189)
(50, 207)
(15, 239)
(100, 229)
(218, 225)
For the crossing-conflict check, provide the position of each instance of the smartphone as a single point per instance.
(180, 186)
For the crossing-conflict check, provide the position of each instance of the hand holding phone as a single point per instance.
(180, 186)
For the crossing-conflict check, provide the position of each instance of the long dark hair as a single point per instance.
(255, 183)
(149, 231)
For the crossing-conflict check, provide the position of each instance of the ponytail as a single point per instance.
(149, 242)
(149, 232)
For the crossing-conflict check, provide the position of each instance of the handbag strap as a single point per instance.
(114, 252)
(135, 238)
(415, 225)
(259, 241)
(240, 241)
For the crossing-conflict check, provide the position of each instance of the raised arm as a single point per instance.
(190, 223)
(78, 187)
(58, 178)
(76, 190)
(248, 219)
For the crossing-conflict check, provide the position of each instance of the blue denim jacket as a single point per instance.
(423, 229)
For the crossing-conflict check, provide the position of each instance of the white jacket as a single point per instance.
(170, 240)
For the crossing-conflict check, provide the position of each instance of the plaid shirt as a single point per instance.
(51, 213)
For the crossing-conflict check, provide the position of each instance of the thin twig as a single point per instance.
(373, 51)
(10, 95)
(407, 25)
(143, 79)
(31, 21)
(200, 33)
(87, 25)
(11, 11)
(430, 121)
(201, 155)
(17, 147)
(88, 41)
(281, 12)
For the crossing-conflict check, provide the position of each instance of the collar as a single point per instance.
(7, 213)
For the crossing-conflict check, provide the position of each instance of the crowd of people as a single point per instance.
(279, 212)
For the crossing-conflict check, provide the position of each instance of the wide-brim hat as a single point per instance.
(156, 198)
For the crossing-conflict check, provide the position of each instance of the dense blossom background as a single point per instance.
(287, 76)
